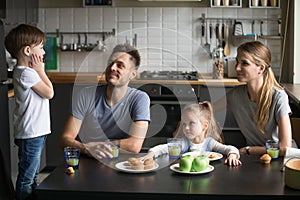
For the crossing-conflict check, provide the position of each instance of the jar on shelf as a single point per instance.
(218, 63)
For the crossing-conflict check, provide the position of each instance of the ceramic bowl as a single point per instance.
(292, 174)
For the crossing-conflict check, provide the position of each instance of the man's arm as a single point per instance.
(137, 133)
(69, 134)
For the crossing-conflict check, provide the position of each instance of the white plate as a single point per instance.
(125, 167)
(175, 168)
(218, 156)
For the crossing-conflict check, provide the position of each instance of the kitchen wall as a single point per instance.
(169, 38)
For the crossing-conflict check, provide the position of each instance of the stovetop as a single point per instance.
(169, 75)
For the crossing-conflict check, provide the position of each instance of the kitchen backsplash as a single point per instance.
(168, 38)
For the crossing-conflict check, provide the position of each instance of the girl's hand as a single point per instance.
(36, 62)
(150, 154)
(232, 160)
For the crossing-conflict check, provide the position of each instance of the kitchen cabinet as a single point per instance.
(213, 93)
(60, 106)
(20, 11)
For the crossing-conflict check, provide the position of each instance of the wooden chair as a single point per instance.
(295, 123)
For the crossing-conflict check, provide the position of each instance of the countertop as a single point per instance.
(293, 91)
(87, 77)
(93, 77)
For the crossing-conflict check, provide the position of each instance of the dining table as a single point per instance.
(105, 179)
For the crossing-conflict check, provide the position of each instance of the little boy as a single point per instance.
(32, 89)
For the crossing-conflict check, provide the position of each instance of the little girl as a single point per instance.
(200, 133)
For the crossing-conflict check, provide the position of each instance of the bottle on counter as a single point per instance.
(218, 63)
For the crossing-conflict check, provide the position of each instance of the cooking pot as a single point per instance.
(292, 173)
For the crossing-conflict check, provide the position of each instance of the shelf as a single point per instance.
(222, 4)
(269, 2)
(239, 39)
(58, 33)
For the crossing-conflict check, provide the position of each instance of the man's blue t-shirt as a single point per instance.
(102, 121)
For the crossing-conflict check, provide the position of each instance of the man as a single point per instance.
(113, 111)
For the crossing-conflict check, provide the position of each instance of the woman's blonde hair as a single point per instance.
(260, 54)
(204, 111)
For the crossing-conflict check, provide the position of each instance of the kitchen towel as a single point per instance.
(51, 53)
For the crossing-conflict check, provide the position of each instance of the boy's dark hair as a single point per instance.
(22, 36)
(129, 50)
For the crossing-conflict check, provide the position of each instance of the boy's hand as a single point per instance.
(37, 62)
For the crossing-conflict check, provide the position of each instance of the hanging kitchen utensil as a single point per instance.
(226, 48)
(261, 28)
(217, 34)
(238, 28)
(207, 45)
(210, 33)
(202, 33)
(279, 27)
(223, 36)
(220, 35)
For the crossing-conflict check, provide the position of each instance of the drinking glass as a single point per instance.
(72, 155)
(272, 147)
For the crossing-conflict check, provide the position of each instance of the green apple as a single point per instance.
(185, 163)
(200, 163)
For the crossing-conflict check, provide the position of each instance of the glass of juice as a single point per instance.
(272, 147)
(174, 147)
(72, 155)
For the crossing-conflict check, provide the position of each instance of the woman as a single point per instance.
(261, 106)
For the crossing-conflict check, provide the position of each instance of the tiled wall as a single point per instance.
(168, 38)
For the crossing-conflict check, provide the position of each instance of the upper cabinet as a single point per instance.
(19, 11)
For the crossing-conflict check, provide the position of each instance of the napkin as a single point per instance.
(290, 154)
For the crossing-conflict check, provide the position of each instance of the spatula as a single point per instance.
(226, 48)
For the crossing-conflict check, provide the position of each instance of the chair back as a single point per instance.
(295, 123)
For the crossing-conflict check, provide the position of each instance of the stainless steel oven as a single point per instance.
(167, 101)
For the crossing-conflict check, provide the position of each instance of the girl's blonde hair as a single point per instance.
(204, 111)
(260, 54)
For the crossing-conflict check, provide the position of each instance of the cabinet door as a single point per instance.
(213, 93)
(15, 12)
(32, 11)
(19, 11)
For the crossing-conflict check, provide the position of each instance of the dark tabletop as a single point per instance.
(99, 180)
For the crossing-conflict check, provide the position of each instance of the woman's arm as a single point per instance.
(284, 134)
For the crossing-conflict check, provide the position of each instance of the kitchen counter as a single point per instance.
(293, 91)
(87, 77)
